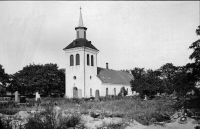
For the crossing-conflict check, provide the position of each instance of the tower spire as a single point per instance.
(80, 30)
(80, 24)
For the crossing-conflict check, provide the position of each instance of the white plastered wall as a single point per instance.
(111, 89)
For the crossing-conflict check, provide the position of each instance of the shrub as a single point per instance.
(5, 124)
(71, 121)
(123, 92)
(9, 111)
(47, 120)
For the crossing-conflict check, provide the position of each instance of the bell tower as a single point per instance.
(81, 65)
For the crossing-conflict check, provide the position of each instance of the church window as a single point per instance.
(92, 61)
(90, 77)
(77, 59)
(88, 59)
(114, 91)
(74, 77)
(127, 90)
(71, 60)
(90, 92)
(106, 91)
(84, 34)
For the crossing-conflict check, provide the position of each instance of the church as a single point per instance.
(83, 76)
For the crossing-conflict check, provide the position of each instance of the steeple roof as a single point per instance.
(80, 24)
(81, 43)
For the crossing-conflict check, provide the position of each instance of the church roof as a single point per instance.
(81, 42)
(113, 76)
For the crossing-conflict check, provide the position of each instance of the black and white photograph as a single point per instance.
(99, 64)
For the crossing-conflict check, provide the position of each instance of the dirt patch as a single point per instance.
(190, 124)
(93, 123)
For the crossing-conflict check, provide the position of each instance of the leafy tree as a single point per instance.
(45, 78)
(146, 82)
(137, 83)
(4, 80)
(168, 72)
(183, 81)
(138, 72)
(195, 67)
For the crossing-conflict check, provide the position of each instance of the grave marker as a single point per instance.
(16, 96)
(97, 95)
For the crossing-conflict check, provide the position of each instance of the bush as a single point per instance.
(9, 111)
(71, 121)
(123, 92)
(48, 120)
(5, 124)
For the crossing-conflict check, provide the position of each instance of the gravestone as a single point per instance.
(79, 93)
(145, 97)
(97, 95)
(174, 93)
(36, 96)
(16, 96)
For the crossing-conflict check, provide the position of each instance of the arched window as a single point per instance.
(106, 91)
(115, 91)
(92, 60)
(77, 59)
(71, 60)
(88, 59)
(127, 90)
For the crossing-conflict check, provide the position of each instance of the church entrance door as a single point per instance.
(75, 92)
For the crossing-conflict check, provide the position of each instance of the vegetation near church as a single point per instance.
(4, 80)
(166, 79)
(44, 78)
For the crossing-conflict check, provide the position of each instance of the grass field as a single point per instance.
(144, 112)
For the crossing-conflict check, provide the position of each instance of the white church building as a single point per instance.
(83, 76)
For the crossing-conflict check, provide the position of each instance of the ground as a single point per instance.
(126, 113)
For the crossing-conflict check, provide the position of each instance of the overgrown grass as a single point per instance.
(145, 112)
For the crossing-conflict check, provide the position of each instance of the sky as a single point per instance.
(128, 34)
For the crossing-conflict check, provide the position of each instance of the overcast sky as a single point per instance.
(128, 34)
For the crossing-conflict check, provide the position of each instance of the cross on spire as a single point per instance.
(80, 19)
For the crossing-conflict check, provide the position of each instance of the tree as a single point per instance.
(4, 80)
(168, 72)
(45, 78)
(138, 72)
(146, 82)
(183, 81)
(137, 83)
(196, 56)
